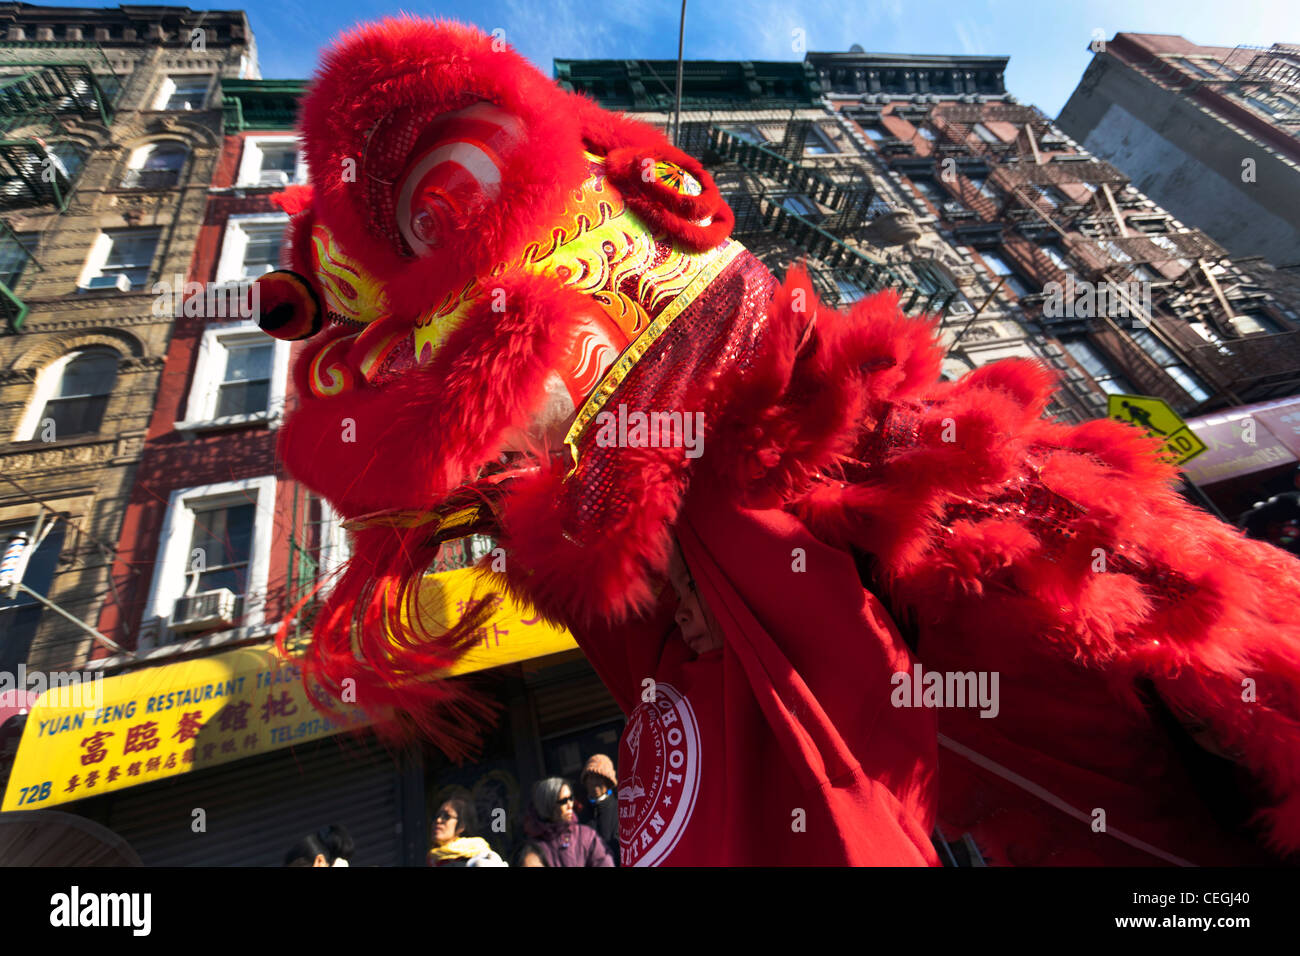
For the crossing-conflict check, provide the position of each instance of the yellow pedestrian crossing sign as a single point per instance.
(1156, 418)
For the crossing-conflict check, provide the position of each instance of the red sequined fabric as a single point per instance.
(722, 329)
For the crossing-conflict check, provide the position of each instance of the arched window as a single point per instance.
(76, 404)
(157, 166)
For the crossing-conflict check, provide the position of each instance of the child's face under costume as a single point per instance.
(698, 628)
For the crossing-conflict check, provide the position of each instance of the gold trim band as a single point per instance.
(627, 361)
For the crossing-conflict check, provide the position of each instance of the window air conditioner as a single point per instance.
(118, 281)
(204, 611)
(273, 177)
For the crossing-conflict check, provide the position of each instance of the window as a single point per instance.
(986, 134)
(127, 252)
(926, 134)
(748, 133)
(80, 395)
(800, 205)
(184, 92)
(1166, 359)
(262, 250)
(1053, 252)
(278, 164)
(875, 133)
(251, 246)
(109, 84)
(931, 191)
(157, 166)
(818, 142)
(1262, 105)
(1099, 368)
(231, 525)
(1168, 245)
(1255, 323)
(20, 616)
(1211, 336)
(13, 258)
(1048, 193)
(223, 537)
(246, 380)
(1113, 250)
(1000, 267)
(985, 188)
(271, 161)
(850, 291)
(239, 378)
(1194, 67)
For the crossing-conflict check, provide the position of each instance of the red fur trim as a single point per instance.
(408, 63)
(609, 579)
(416, 439)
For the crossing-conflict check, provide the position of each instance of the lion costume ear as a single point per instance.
(293, 199)
(672, 192)
(666, 187)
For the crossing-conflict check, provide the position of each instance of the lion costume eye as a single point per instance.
(455, 170)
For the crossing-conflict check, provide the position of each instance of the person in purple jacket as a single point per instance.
(551, 824)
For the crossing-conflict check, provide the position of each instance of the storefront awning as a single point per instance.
(1246, 440)
(97, 735)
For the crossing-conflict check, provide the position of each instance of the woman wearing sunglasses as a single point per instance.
(552, 825)
(455, 839)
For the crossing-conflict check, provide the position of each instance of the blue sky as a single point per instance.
(1047, 40)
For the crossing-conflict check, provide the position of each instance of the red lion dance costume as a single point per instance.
(479, 246)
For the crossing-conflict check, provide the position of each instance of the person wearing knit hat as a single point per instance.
(601, 781)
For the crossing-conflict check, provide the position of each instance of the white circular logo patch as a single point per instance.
(659, 776)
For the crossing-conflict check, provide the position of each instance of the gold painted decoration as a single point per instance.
(349, 291)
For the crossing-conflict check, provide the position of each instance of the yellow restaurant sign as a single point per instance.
(146, 725)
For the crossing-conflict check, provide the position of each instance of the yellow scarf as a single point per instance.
(461, 848)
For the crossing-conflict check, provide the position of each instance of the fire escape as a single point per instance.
(1116, 238)
(37, 102)
(825, 211)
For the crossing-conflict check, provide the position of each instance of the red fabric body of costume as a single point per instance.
(780, 748)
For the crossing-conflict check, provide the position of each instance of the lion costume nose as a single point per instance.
(288, 307)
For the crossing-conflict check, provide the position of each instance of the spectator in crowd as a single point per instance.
(551, 824)
(530, 854)
(601, 782)
(455, 839)
(328, 846)
(1276, 520)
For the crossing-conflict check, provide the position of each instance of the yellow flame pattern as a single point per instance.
(349, 290)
